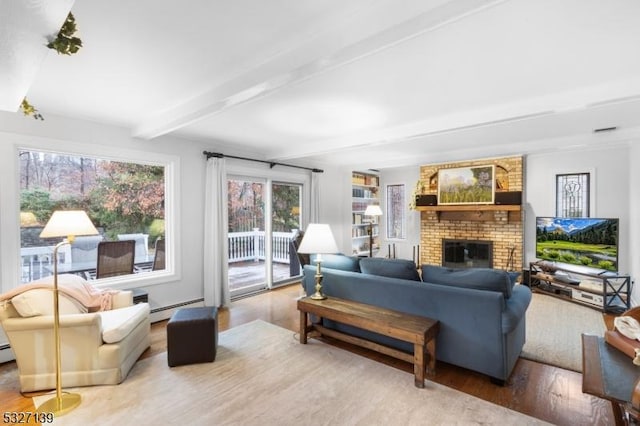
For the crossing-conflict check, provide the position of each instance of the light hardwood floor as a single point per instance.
(547, 393)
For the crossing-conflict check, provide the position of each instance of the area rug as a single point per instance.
(262, 376)
(553, 331)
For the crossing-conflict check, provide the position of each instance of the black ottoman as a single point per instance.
(192, 336)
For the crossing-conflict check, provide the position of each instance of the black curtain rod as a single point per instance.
(271, 164)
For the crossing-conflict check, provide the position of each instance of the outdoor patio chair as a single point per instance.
(85, 248)
(303, 258)
(115, 258)
(142, 244)
(158, 258)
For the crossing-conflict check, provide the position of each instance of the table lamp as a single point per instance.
(319, 240)
(372, 210)
(67, 223)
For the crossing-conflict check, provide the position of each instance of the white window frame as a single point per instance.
(10, 225)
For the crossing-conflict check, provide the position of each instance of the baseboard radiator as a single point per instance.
(6, 354)
(165, 312)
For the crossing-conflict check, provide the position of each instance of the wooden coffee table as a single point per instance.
(420, 331)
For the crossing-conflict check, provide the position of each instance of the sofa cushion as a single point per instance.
(338, 261)
(118, 323)
(476, 278)
(392, 268)
(36, 302)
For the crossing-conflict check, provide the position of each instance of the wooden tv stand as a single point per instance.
(607, 292)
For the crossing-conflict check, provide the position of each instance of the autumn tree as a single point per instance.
(286, 207)
(245, 205)
(60, 175)
(126, 196)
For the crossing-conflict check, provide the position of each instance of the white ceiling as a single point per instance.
(373, 83)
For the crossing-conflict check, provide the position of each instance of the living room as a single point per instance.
(550, 144)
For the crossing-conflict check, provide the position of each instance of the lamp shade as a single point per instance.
(64, 223)
(373, 210)
(318, 239)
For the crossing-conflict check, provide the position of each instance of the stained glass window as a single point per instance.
(572, 195)
(395, 211)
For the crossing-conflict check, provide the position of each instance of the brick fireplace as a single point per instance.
(500, 225)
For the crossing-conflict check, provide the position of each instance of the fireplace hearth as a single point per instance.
(467, 253)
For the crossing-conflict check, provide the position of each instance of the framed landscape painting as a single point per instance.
(466, 185)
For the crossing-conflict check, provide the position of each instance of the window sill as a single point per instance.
(126, 282)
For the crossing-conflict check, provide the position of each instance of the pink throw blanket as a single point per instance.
(72, 286)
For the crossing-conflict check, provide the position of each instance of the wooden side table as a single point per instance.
(610, 374)
(420, 331)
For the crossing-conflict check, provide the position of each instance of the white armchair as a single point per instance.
(97, 347)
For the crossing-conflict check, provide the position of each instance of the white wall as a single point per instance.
(335, 204)
(610, 171)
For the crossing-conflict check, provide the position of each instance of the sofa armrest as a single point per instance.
(45, 322)
(122, 299)
(515, 307)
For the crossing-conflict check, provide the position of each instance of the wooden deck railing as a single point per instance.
(250, 245)
(37, 262)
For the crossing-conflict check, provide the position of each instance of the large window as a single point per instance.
(125, 201)
(395, 212)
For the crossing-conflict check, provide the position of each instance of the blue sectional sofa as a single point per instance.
(481, 311)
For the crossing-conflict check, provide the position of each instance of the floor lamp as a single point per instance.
(318, 239)
(67, 223)
(372, 210)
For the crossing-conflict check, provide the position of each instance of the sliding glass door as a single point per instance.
(246, 235)
(263, 217)
(286, 216)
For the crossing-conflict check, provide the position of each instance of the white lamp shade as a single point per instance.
(65, 223)
(318, 239)
(373, 210)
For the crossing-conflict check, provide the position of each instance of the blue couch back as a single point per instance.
(478, 278)
(474, 324)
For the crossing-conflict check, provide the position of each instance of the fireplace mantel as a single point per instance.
(474, 212)
(500, 221)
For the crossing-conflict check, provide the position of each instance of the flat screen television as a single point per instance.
(583, 241)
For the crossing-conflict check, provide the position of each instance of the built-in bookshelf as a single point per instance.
(364, 191)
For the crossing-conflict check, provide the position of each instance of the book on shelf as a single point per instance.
(364, 179)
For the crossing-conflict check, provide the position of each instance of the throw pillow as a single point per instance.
(476, 278)
(36, 302)
(393, 268)
(338, 261)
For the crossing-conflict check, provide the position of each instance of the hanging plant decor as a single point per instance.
(65, 43)
(417, 191)
(28, 109)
